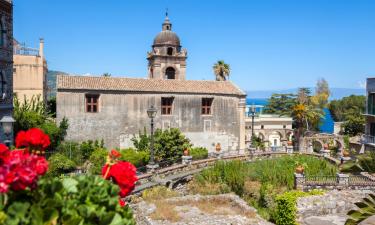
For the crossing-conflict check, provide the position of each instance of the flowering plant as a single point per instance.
(20, 168)
(120, 172)
(34, 140)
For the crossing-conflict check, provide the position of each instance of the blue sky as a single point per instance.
(270, 44)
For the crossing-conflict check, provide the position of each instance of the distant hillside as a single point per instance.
(51, 82)
(336, 93)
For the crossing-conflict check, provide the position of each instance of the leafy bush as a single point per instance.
(79, 153)
(286, 206)
(137, 158)
(97, 160)
(367, 162)
(34, 113)
(168, 144)
(74, 200)
(199, 153)
(60, 164)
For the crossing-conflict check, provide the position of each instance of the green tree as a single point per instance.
(353, 104)
(106, 75)
(354, 124)
(281, 104)
(221, 70)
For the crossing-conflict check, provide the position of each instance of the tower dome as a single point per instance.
(167, 36)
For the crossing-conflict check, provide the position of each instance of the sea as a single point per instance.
(326, 123)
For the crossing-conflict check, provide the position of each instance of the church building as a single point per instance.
(115, 109)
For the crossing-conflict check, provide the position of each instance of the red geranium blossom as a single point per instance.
(34, 139)
(18, 168)
(115, 154)
(123, 174)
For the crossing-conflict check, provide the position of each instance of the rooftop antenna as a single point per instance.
(166, 12)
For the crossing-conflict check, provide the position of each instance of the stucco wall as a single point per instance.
(29, 76)
(123, 115)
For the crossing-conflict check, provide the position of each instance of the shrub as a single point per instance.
(97, 160)
(199, 153)
(60, 164)
(137, 158)
(72, 200)
(168, 144)
(71, 150)
(286, 206)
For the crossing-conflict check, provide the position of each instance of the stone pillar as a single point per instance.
(299, 181)
(186, 159)
(241, 120)
(342, 179)
(289, 149)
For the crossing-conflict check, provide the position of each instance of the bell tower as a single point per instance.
(167, 60)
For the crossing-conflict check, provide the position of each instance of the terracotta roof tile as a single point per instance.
(65, 82)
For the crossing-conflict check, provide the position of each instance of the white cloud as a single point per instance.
(362, 84)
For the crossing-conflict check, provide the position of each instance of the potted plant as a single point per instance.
(218, 147)
(300, 167)
(290, 143)
(186, 152)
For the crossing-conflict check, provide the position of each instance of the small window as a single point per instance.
(262, 127)
(166, 106)
(284, 126)
(206, 106)
(170, 51)
(92, 103)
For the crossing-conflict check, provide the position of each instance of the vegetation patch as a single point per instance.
(259, 182)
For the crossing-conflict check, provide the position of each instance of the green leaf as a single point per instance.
(117, 220)
(70, 185)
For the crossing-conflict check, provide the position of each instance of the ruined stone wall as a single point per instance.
(123, 115)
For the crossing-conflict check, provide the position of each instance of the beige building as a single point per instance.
(29, 71)
(115, 109)
(274, 130)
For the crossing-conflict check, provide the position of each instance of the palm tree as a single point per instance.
(221, 70)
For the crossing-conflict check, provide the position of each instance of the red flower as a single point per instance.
(115, 154)
(36, 137)
(123, 174)
(121, 202)
(41, 166)
(21, 139)
(4, 151)
(3, 187)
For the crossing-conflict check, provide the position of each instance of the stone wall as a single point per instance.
(122, 115)
(333, 204)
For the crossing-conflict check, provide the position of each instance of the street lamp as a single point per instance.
(252, 111)
(151, 112)
(7, 124)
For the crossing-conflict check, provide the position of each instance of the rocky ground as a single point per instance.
(328, 209)
(197, 210)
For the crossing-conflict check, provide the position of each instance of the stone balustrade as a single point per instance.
(338, 182)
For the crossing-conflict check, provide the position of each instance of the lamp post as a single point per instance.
(252, 120)
(151, 112)
(7, 124)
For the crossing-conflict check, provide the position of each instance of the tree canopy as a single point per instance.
(221, 70)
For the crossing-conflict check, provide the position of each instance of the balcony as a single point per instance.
(368, 139)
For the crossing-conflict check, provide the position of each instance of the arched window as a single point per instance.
(170, 73)
(170, 51)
